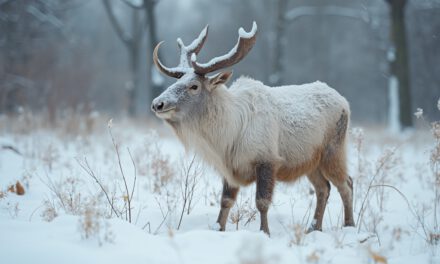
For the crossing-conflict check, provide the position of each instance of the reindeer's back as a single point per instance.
(308, 116)
(287, 124)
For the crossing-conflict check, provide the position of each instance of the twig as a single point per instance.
(133, 5)
(127, 40)
(382, 164)
(407, 202)
(186, 191)
(12, 148)
(164, 216)
(135, 174)
(122, 173)
(89, 171)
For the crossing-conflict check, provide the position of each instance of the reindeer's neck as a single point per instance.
(213, 133)
(218, 124)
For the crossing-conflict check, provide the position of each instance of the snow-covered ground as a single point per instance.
(65, 216)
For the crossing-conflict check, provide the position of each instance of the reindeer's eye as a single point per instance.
(194, 87)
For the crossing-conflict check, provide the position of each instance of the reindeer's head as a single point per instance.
(193, 85)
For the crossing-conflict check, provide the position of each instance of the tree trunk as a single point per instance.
(399, 66)
(280, 42)
(134, 49)
(156, 87)
(132, 90)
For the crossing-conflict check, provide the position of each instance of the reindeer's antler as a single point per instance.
(246, 41)
(185, 55)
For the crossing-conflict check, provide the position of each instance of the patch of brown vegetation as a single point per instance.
(16, 188)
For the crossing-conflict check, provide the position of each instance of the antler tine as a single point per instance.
(246, 41)
(195, 47)
(198, 43)
(185, 55)
(172, 72)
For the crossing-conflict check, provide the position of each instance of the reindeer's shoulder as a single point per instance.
(246, 83)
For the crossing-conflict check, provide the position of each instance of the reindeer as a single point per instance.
(255, 133)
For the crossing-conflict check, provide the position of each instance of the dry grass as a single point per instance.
(176, 187)
(92, 224)
(244, 211)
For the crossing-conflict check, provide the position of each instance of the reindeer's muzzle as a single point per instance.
(160, 106)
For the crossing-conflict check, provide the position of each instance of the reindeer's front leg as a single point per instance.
(265, 184)
(229, 195)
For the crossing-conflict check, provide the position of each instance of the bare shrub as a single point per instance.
(92, 224)
(189, 177)
(243, 211)
(167, 205)
(434, 236)
(67, 194)
(298, 234)
(49, 212)
(162, 172)
(13, 209)
(151, 161)
(431, 232)
(385, 163)
(127, 193)
(50, 155)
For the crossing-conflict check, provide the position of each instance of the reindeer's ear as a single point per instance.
(220, 78)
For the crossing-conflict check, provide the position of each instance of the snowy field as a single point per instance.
(72, 205)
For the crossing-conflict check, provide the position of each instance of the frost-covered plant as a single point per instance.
(189, 177)
(298, 234)
(383, 167)
(243, 211)
(92, 224)
(154, 163)
(13, 209)
(434, 236)
(49, 212)
(50, 155)
(432, 233)
(67, 194)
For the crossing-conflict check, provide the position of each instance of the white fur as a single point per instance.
(251, 122)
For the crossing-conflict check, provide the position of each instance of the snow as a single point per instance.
(243, 34)
(198, 40)
(389, 229)
(393, 110)
(419, 113)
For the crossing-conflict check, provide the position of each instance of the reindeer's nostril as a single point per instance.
(159, 106)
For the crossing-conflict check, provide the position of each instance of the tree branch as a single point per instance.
(133, 5)
(298, 12)
(116, 25)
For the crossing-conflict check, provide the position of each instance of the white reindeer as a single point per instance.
(255, 133)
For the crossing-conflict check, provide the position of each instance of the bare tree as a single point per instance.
(399, 60)
(29, 29)
(286, 17)
(133, 42)
(280, 41)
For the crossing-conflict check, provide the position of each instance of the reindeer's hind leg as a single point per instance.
(322, 191)
(229, 195)
(333, 167)
(335, 172)
(345, 189)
